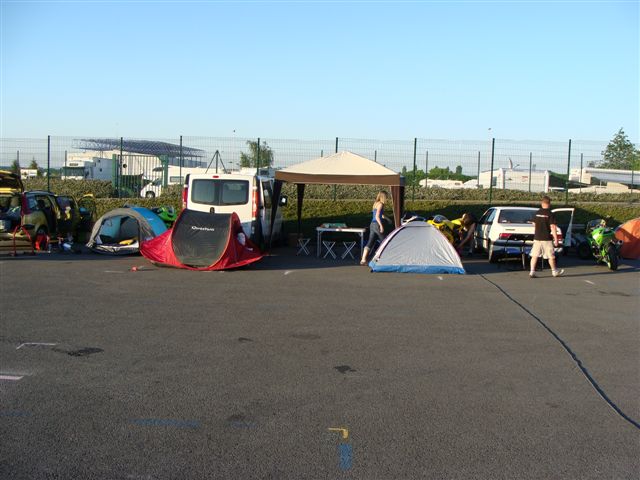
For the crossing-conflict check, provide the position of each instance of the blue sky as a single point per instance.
(387, 70)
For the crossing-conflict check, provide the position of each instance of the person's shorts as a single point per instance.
(542, 248)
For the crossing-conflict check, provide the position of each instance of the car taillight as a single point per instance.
(505, 236)
(254, 206)
(185, 193)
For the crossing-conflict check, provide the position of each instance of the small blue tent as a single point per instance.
(122, 230)
(416, 247)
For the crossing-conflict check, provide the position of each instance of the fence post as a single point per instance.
(180, 174)
(478, 182)
(258, 158)
(375, 156)
(335, 188)
(566, 186)
(119, 167)
(48, 163)
(530, 162)
(580, 179)
(493, 149)
(415, 168)
(426, 169)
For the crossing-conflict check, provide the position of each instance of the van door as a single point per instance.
(265, 211)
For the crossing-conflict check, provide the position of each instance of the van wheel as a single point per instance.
(150, 195)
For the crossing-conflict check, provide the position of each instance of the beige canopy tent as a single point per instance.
(344, 168)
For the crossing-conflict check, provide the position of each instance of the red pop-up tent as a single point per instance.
(202, 241)
(340, 168)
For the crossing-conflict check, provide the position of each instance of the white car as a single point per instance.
(504, 231)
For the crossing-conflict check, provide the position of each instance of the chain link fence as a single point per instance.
(138, 167)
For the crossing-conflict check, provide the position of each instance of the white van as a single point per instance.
(250, 196)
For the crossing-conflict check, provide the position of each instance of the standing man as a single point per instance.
(545, 231)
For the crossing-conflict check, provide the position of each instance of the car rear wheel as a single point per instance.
(150, 195)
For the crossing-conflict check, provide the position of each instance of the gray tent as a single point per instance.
(416, 247)
(122, 230)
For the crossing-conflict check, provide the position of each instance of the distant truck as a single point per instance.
(175, 176)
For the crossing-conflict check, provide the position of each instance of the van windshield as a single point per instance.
(220, 192)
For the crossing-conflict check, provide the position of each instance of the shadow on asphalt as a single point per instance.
(285, 258)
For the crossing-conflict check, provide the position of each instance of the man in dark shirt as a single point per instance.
(544, 238)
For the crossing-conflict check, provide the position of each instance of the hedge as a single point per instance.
(368, 192)
(358, 212)
(104, 189)
(75, 188)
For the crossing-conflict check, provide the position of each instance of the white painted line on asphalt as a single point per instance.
(11, 377)
(589, 282)
(35, 344)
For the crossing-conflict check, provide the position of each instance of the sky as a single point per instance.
(310, 70)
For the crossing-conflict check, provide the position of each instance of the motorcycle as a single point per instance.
(447, 227)
(601, 244)
(167, 214)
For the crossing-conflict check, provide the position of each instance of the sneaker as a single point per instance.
(532, 274)
(557, 273)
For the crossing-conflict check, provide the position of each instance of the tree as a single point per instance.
(459, 170)
(34, 165)
(15, 167)
(620, 153)
(252, 160)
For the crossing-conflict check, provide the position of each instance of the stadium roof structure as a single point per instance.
(146, 147)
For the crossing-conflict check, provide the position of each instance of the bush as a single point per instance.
(358, 212)
(103, 205)
(75, 188)
(368, 192)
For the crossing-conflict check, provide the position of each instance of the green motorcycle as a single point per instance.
(167, 214)
(601, 244)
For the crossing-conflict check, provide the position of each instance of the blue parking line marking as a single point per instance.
(14, 413)
(346, 456)
(165, 422)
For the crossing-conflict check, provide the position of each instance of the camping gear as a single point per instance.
(416, 247)
(122, 230)
(167, 214)
(601, 243)
(203, 241)
(629, 233)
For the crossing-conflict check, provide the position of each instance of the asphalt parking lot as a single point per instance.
(109, 373)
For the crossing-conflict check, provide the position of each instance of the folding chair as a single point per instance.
(348, 246)
(303, 246)
(329, 247)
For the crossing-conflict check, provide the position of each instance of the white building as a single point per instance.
(590, 175)
(515, 179)
(453, 184)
